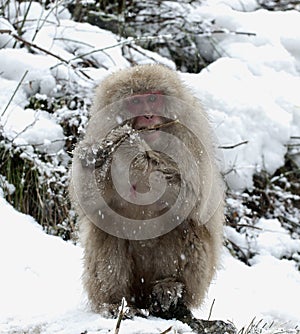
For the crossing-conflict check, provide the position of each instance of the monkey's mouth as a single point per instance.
(148, 125)
(147, 122)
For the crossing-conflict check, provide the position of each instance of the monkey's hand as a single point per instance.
(113, 311)
(165, 297)
(96, 154)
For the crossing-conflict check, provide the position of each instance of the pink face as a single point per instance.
(146, 109)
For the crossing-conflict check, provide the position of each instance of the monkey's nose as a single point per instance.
(148, 116)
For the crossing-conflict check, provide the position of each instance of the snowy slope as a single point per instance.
(251, 92)
(41, 291)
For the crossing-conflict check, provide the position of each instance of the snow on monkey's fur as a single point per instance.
(176, 267)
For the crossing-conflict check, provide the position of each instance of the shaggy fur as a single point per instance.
(177, 267)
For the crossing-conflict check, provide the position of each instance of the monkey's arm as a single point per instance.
(96, 154)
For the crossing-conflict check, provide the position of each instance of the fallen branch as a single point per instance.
(211, 308)
(285, 174)
(15, 92)
(237, 248)
(229, 147)
(32, 45)
(126, 41)
(120, 316)
(291, 145)
(225, 31)
(35, 46)
(168, 330)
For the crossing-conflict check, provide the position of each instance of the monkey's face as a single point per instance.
(146, 110)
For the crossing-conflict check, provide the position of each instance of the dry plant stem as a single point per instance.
(240, 249)
(291, 145)
(224, 31)
(168, 330)
(121, 139)
(17, 88)
(229, 147)
(32, 45)
(44, 20)
(120, 317)
(158, 126)
(122, 43)
(22, 40)
(135, 48)
(25, 18)
(211, 308)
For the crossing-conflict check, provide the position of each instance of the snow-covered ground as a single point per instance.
(41, 290)
(251, 92)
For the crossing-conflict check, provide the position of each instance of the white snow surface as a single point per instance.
(251, 93)
(41, 292)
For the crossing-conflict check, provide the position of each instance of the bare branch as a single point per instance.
(35, 46)
(120, 316)
(168, 330)
(44, 20)
(128, 40)
(229, 147)
(225, 31)
(211, 308)
(15, 92)
(292, 145)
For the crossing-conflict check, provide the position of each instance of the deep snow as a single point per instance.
(41, 289)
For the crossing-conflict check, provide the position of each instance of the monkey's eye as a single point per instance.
(135, 100)
(152, 98)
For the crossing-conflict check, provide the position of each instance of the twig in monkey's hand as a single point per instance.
(99, 155)
(96, 154)
(158, 126)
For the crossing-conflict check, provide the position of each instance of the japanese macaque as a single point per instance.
(148, 195)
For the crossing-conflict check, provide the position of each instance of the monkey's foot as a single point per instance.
(112, 311)
(132, 312)
(164, 298)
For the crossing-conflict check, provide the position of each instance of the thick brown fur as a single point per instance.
(177, 267)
